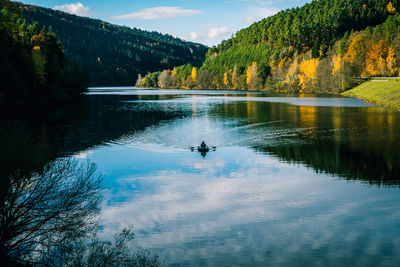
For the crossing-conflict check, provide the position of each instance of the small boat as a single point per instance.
(203, 148)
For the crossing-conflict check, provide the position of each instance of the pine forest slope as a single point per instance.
(314, 27)
(319, 23)
(111, 54)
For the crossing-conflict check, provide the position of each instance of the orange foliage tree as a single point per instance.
(391, 61)
(337, 64)
(251, 76)
(194, 74)
(355, 50)
(375, 63)
(308, 71)
(227, 82)
(391, 9)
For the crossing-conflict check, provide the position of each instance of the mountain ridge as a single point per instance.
(112, 54)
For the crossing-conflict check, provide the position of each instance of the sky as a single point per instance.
(203, 21)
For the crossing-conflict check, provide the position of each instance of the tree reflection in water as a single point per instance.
(46, 209)
(49, 215)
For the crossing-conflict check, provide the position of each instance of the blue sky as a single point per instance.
(203, 21)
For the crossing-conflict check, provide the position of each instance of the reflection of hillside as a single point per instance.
(343, 161)
(29, 140)
(355, 143)
(103, 119)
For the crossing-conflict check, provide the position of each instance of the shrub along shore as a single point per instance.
(378, 91)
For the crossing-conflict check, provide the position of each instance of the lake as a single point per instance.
(293, 181)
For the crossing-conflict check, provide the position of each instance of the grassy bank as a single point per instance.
(381, 92)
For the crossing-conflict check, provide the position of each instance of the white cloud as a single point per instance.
(193, 36)
(267, 12)
(215, 33)
(260, 2)
(75, 8)
(258, 13)
(204, 164)
(162, 12)
(250, 19)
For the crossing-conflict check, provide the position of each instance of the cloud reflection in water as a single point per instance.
(237, 204)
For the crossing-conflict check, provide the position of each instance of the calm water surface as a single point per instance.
(294, 181)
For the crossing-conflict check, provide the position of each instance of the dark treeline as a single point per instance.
(33, 70)
(320, 47)
(111, 54)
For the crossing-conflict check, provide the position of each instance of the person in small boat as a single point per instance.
(203, 145)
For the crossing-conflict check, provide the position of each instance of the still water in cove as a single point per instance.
(294, 181)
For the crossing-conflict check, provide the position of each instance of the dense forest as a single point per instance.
(320, 47)
(33, 70)
(111, 54)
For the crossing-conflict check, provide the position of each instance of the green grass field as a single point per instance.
(381, 92)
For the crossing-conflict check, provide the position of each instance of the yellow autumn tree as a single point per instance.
(391, 61)
(226, 79)
(282, 63)
(291, 75)
(279, 68)
(375, 62)
(382, 66)
(194, 74)
(174, 71)
(308, 71)
(354, 50)
(39, 39)
(337, 64)
(391, 9)
(251, 76)
(340, 73)
(356, 54)
(235, 82)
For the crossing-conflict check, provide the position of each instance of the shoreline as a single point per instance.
(373, 92)
(385, 93)
(220, 90)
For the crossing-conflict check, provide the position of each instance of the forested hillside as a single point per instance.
(33, 71)
(111, 54)
(314, 26)
(319, 47)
